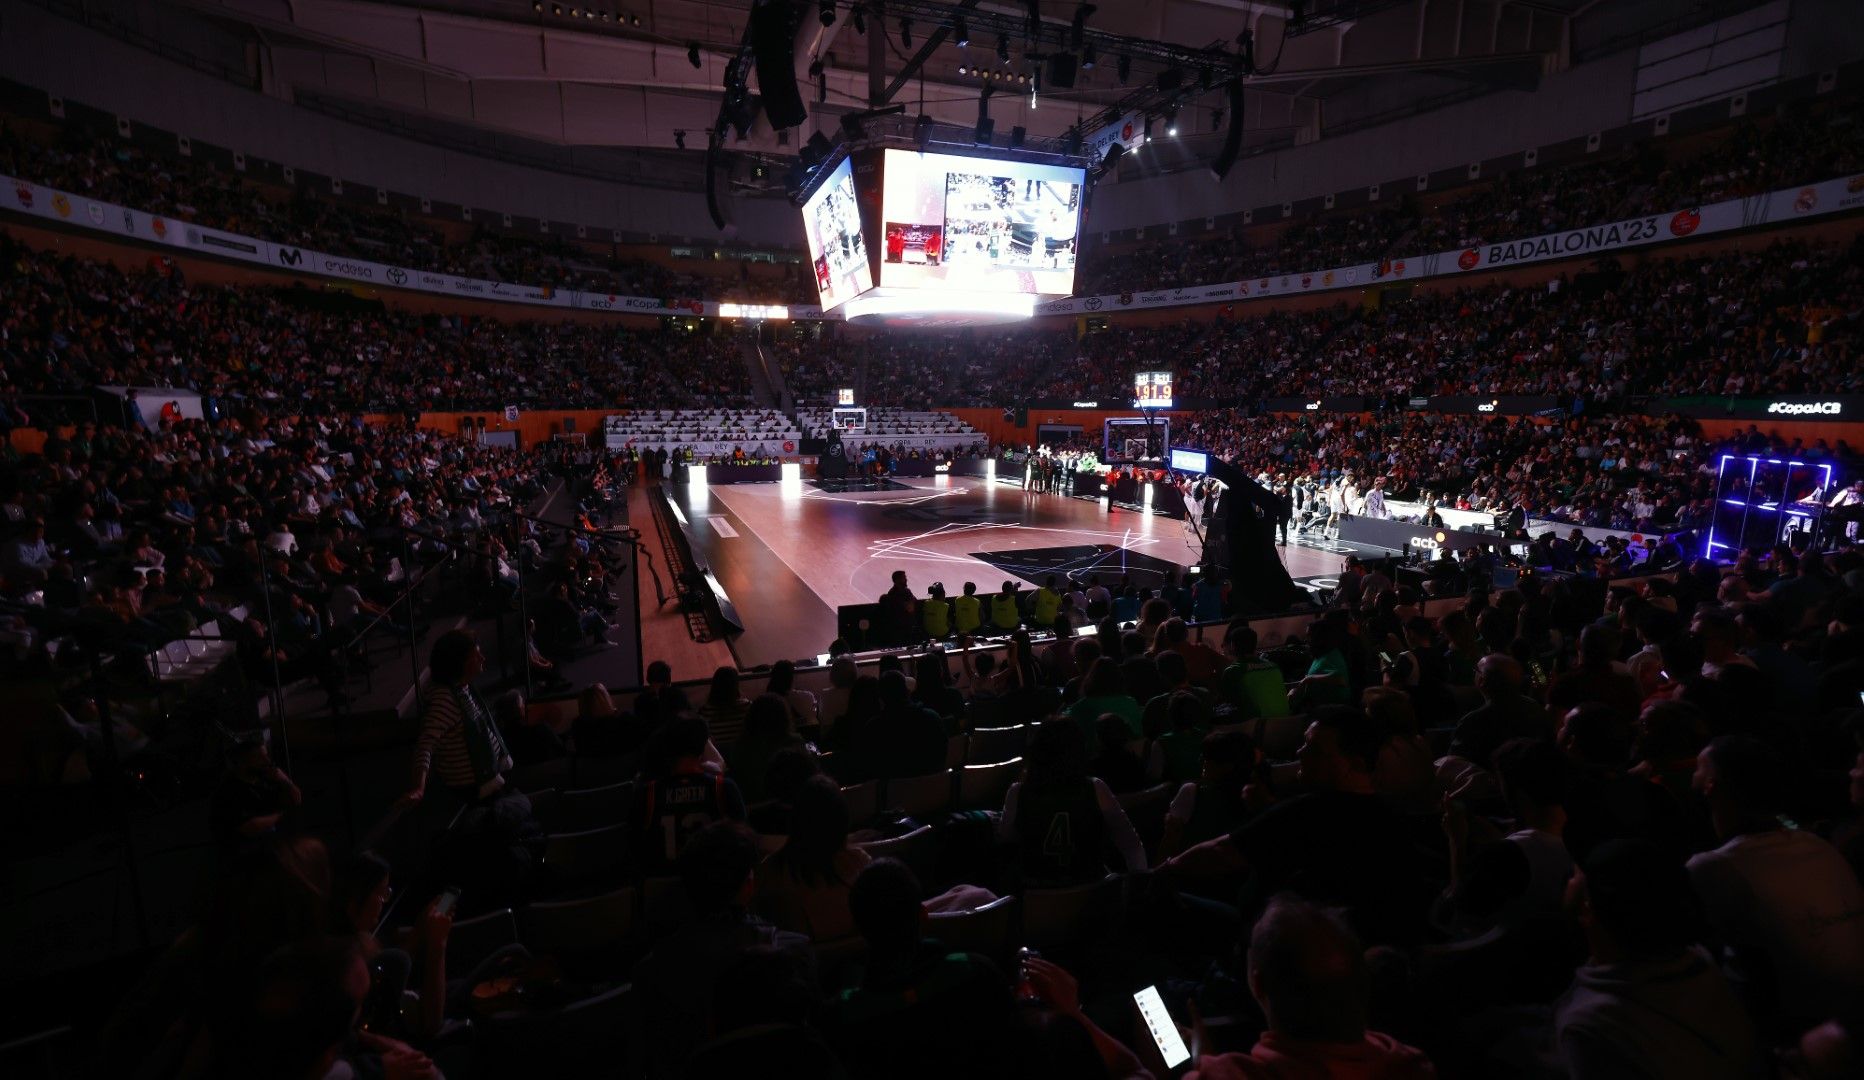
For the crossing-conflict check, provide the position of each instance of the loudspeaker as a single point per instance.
(1022, 416)
(986, 127)
(1233, 136)
(1061, 71)
(773, 43)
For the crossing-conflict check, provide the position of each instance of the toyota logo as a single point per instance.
(396, 275)
(1093, 303)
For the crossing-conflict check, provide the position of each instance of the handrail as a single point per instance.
(629, 535)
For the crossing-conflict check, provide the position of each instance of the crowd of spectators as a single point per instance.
(71, 324)
(116, 170)
(1492, 840)
(1797, 145)
(1782, 318)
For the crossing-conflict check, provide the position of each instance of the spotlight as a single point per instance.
(922, 131)
(827, 8)
(859, 15)
(1148, 133)
(1003, 48)
(906, 33)
(1125, 69)
(556, 9)
(1079, 28)
(537, 6)
(1089, 57)
(692, 54)
(679, 140)
(1171, 121)
(961, 32)
(962, 70)
(633, 19)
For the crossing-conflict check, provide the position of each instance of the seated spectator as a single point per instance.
(531, 741)
(920, 1012)
(803, 886)
(804, 710)
(1328, 680)
(1104, 691)
(601, 731)
(766, 733)
(1307, 971)
(676, 980)
(678, 795)
(1250, 685)
(1598, 677)
(1176, 755)
(254, 795)
(1213, 805)
(1117, 764)
(760, 1011)
(1506, 713)
(1523, 875)
(1338, 843)
(1060, 818)
(1783, 900)
(1406, 775)
(724, 708)
(1648, 1001)
(932, 688)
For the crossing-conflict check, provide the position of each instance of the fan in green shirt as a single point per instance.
(1251, 685)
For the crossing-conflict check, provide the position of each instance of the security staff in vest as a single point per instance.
(1005, 609)
(967, 612)
(935, 613)
(1044, 605)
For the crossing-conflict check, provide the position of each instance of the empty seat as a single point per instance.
(863, 802)
(1064, 917)
(471, 941)
(578, 858)
(985, 930)
(593, 808)
(920, 796)
(573, 930)
(983, 787)
(991, 745)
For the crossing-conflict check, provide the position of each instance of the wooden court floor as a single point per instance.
(789, 554)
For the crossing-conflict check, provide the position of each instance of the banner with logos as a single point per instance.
(1778, 207)
(1490, 405)
(1330, 404)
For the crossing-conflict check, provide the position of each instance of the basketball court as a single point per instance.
(789, 554)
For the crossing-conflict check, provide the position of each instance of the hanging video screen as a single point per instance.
(977, 224)
(1152, 390)
(832, 226)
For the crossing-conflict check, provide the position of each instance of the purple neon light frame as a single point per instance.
(1754, 464)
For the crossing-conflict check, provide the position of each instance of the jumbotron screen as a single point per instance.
(978, 225)
(832, 224)
(1152, 390)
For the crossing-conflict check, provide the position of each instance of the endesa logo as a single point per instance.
(348, 269)
(1806, 408)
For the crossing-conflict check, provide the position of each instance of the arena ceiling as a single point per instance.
(619, 73)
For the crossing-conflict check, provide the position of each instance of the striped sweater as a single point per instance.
(443, 744)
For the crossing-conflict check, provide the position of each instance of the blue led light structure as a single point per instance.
(1759, 502)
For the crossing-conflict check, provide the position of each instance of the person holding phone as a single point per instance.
(1308, 972)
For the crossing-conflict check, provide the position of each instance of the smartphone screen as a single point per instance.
(447, 900)
(1164, 1032)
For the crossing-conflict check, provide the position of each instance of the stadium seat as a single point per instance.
(921, 797)
(593, 808)
(580, 1039)
(663, 903)
(863, 802)
(984, 930)
(917, 849)
(1146, 810)
(1065, 917)
(582, 858)
(954, 750)
(983, 787)
(991, 745)
(471, 941)
(581, 934)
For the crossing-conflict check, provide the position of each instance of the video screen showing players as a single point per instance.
(832, 225)
(978, 224)
(1009, 221)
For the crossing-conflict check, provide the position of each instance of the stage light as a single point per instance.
(827, 9)
(1148, 132)
(922, 131)
(961, 69)
(1171, 121)
(859, 15)
(1003, 47)
(998, 304)
(692, 55)
(1089, 57)
(633, 19)
(961, 32)
(906, 33)
(679, 140)
(1078, 29)
(1125, 68)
